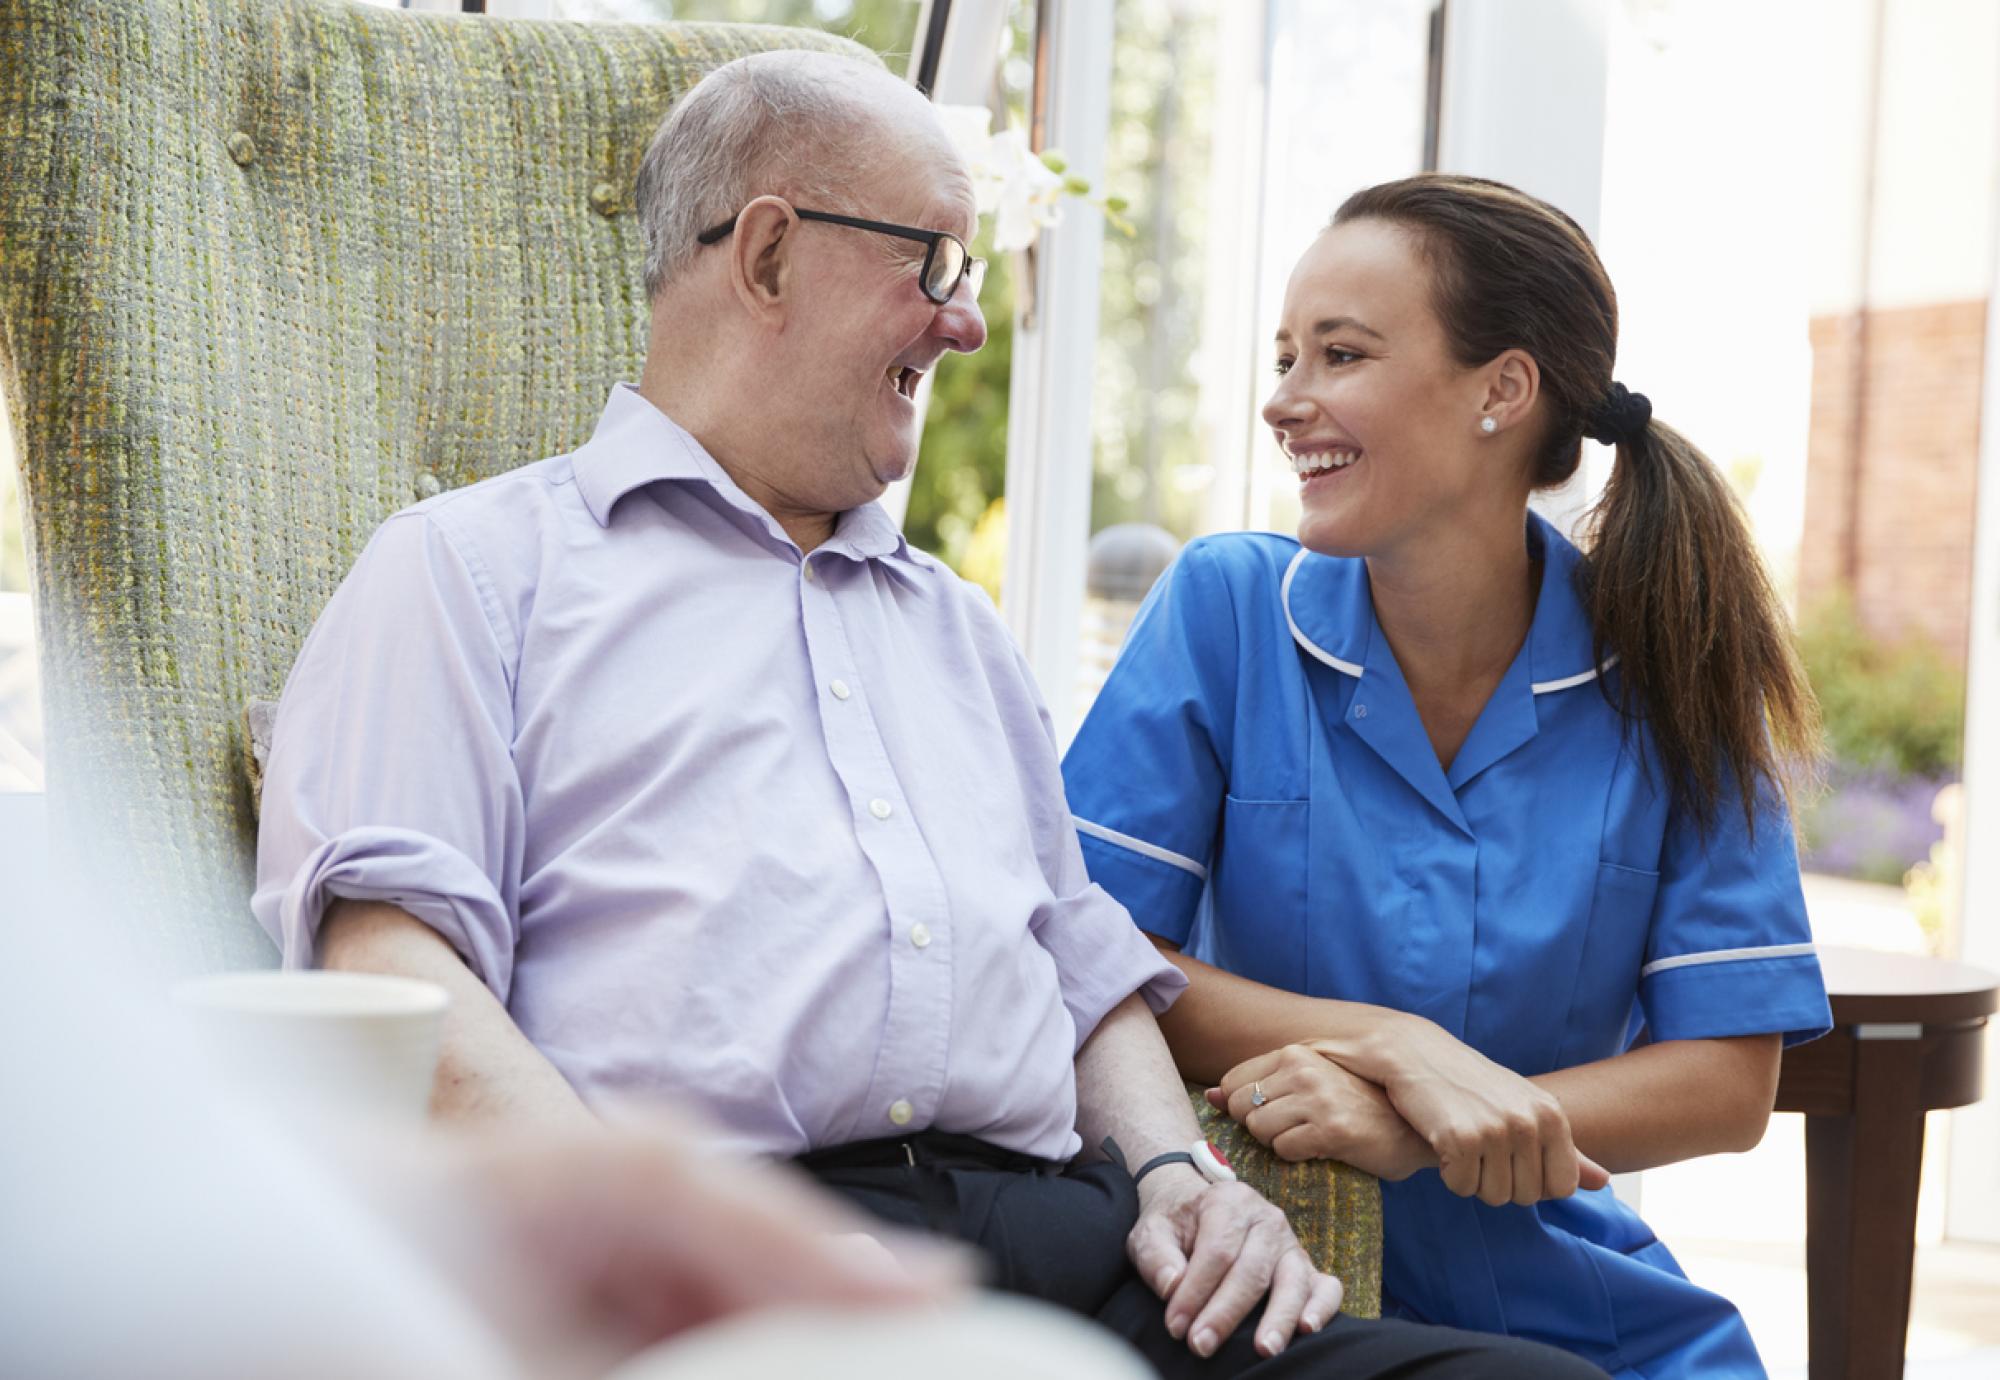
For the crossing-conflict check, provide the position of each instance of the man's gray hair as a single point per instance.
(788, 124)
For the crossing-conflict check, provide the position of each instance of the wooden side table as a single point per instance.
(1908, 1039)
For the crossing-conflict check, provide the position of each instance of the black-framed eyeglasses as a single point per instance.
(946, 259)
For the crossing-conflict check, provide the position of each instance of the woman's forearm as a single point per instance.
(1668, 1102)
(1222, 1020)
(1651, 1106)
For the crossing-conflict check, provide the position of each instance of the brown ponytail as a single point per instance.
(1671, 576)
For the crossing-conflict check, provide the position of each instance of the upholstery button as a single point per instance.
(604, 200)
(900, 1112)
(920, 935)
(880, 808)
(242, 148)
(428, 485)
(840, 690)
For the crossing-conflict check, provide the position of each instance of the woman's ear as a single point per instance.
(1513, 383)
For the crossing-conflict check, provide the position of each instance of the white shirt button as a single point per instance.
(840, 690)
(920, 935)
(900, 1112)
(880, 808)
(809, 570)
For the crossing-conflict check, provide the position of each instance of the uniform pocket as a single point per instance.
(1258, 885)
(1607, 980)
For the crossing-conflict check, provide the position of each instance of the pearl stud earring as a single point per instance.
(1488, 425)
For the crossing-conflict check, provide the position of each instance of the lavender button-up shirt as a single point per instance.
(780, 835)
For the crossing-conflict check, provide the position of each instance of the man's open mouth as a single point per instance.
(904, 379)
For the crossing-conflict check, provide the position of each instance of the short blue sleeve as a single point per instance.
(1730, 952)
(1146, 772)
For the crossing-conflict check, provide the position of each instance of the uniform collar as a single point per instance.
(1331, 615)
(636, 444)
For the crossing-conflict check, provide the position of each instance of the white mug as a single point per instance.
(349, 1048)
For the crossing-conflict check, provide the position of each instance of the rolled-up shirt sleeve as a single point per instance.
(392, 775)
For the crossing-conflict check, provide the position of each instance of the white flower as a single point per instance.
(1009, 181)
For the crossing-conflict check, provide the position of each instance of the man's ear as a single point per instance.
(1513, 382)
(760, 255)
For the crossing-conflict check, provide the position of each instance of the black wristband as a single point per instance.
(1171, 1157)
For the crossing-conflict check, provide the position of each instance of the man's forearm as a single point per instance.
(1127, 1088)
(488, 1072)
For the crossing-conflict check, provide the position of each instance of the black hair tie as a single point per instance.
(1620, 419)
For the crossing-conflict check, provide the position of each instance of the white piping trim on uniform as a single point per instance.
(1285, 598)
(1141, 847)
(1661, 965)
(1543, 687)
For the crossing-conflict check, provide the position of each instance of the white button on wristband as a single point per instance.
(1206, 1160)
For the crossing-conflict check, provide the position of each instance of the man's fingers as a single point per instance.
(1237, 1292)
(1291, 1290)
(1327, 1295)
(1156, 1254)
(1220, 1237)
(1591, 1174)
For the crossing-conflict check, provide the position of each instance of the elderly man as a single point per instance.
(693, 782)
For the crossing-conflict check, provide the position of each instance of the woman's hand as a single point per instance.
(1496, 1136)
(1316, 1110)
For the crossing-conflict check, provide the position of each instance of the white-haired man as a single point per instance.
(693, 782)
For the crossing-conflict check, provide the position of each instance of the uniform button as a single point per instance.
(840, 690)
(880, 808)
(900, 1112)
(1360, 711)
(920, 935)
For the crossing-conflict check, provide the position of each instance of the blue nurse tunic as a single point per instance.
(1254, 783)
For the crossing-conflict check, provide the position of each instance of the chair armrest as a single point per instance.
(1335, 1209)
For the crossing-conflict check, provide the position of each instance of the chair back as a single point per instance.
(271, 270)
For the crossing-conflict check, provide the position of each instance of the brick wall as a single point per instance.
(1912, 543)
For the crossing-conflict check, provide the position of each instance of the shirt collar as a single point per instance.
(1328, 609)
(636, 444)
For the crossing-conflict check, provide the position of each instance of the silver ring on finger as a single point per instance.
(1257, 1098)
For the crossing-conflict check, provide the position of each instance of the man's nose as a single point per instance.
(959, 323)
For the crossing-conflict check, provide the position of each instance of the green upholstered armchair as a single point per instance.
(269, 271)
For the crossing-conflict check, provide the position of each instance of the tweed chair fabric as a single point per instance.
(271, 270)
(1335, 1209)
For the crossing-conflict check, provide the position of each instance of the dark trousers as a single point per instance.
(1058, 1233)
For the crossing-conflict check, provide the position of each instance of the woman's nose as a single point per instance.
(1287, 407)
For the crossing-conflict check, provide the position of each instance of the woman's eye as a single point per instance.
(1284, 367)
(1339, 356)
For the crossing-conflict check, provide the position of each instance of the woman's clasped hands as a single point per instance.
(1489, 1132)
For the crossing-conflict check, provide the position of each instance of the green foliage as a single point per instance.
(1896, 707)
(887, 26)
(963, 464)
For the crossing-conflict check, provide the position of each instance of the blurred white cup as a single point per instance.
(346, 1048)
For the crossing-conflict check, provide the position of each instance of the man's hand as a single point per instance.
(1316, 1110)
(1213, 1250)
